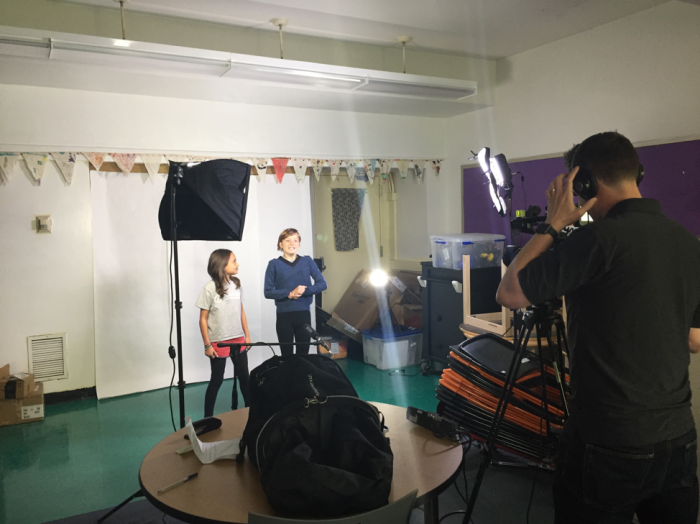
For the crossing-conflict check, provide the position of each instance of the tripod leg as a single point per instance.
(498, 416)
(120, 506)
(561, 341)
(543, 377)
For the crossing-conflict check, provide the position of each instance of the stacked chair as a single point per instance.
(470, 388)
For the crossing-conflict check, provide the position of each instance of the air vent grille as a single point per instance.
(47, 356)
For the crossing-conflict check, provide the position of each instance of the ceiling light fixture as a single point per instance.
(170, 60)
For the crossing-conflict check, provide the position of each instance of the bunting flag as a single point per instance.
(36, 164)
(352, 169)
(124, 161)
(152, 163)
(280, 165)
(200, 158)
(261, 168)
(95, 159)
(177, 158)
(8, 162)
(436, 166)
(317, 165)
(418, 169)
(66, 165)
(300, 165)
(403, 168)
(369, 170)
(335, 169)
(385, 167)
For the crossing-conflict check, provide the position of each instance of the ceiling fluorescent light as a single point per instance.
(172, 60)
(298, 77)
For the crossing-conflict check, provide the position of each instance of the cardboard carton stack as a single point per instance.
(21, 399)
(358, 309)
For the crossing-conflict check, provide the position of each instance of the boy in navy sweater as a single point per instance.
(288, 282)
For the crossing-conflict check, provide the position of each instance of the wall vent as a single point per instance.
(47, 357)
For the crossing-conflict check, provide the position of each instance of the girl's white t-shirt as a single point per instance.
(224, 321)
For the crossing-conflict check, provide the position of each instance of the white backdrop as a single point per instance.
(132, 305)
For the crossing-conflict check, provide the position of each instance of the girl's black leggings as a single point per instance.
(218, 366)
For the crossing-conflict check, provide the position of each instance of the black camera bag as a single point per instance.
(321, 451)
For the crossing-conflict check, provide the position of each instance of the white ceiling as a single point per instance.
(480, 28)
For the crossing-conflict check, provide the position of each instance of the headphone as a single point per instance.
(585, 184)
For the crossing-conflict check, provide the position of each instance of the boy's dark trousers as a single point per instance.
(290, 328)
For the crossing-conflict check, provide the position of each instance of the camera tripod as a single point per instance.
(540, 318)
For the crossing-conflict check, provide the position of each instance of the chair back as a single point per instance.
(395, 513)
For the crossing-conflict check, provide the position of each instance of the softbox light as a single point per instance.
(210, 200)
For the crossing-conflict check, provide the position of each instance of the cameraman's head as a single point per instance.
(613, 161)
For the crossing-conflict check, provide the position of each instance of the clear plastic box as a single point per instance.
(392, 351)
(441, 248)
(485, 250)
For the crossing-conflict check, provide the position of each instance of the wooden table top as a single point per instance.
(225, 491)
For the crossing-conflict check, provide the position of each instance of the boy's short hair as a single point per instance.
(285, 234)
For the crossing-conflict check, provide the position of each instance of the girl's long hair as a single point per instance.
(218, 260)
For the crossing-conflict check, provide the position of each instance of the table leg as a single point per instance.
(431, 511)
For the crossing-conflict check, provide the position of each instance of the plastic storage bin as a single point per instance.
(399, 349)
(441, 250)
(485, 250)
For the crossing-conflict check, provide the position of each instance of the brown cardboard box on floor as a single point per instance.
(19, 385)
(23, 410)
(410, 315)
(358, 310)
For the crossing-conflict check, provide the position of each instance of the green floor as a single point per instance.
(85, 455)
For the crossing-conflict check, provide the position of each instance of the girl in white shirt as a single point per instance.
(222, 320)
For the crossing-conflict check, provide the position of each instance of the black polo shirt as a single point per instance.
(632, 287)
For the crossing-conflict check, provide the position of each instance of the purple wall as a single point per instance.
(672, 176)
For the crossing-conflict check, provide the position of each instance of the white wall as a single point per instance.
(638, 75)
(412, 216)
(44, 119)
(46, 280)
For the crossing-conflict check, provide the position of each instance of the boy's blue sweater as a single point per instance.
(282, 276)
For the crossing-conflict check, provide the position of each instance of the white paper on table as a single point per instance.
(208, 452)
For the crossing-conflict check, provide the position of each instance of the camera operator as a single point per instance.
(632, 285)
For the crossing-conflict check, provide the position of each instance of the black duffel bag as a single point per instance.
(321, 451)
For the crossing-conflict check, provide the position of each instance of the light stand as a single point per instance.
(177, 305)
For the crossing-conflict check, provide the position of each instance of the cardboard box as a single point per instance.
(23, 410)
(408, 314)
(19, 385)
(358, 308)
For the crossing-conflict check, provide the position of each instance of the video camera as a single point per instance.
(528, 221)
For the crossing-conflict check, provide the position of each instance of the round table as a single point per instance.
(226, 491)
